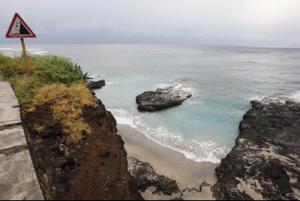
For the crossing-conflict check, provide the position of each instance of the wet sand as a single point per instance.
(173, 164)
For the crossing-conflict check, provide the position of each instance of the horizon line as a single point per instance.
(148, 43)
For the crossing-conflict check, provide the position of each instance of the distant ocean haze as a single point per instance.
(222, 80)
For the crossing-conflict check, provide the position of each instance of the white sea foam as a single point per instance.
(95, 76)
(17, 51)
(193, 149)
(123, 117)
(7, 49)
(38, 52)
(109, 83)
(296, 96)
(279, 98)
(179, 86)
(102, 76)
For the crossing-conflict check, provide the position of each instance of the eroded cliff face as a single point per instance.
(265, 162)
(95, 168)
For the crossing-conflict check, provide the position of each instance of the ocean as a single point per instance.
(221, 79)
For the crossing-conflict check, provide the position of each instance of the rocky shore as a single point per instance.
(161, 187)
(153, 165)
(264, 163)
(161, 98)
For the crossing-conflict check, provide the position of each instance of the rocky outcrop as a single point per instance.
(161, 98)
(158, 187)
(95, 168)
(146, 177)
(264, 163)
(96, 84)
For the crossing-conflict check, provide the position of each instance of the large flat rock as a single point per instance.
(18, 179)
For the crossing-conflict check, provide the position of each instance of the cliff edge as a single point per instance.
(95, 168)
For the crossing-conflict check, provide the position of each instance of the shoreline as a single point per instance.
(170, 163)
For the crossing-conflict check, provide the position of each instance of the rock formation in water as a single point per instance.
(96, 84)
(265, 162)
(161, 98)
(96, 168)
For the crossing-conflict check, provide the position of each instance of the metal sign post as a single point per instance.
(19, 29)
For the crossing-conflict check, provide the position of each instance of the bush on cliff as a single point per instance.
(54, 81)
(50, 69)
(54, 69)
(28, 74)
(9, 67)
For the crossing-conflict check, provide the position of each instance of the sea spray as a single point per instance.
(278, 98)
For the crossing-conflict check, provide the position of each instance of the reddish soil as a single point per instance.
(96, 168)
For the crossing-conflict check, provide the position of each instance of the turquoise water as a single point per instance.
(222, 80)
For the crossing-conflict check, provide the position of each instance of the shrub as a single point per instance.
(9, 67)
(24, 87)
(28, 74)
(55, 81)
(66, 105)
(54, 69)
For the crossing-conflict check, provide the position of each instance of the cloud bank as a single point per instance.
(215, 22)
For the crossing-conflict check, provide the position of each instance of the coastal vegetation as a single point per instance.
(53, 81)
(71, 136)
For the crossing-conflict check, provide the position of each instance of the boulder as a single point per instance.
(96, 84)
(146, 177)
(162, 98)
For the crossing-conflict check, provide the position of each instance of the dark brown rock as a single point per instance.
(95, 168)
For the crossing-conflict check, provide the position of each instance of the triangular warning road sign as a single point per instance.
(19, 29)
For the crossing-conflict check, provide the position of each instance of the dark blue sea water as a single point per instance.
(222, 80)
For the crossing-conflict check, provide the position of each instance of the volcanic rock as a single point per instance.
(161, 98)
(146, 177)
(94, 169)
(264, 163)
(96, 84)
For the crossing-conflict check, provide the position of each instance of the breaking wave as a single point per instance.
(17, 51)
(279, 98)
(179, 86)
(193, 149)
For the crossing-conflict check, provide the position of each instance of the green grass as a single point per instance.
(56, 69)
(28, 74)
(54, 81)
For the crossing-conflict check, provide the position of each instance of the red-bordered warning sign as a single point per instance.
(19, 29)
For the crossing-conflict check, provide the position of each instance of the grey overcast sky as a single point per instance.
(216, 22)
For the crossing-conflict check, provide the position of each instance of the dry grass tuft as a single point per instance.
(66, 105)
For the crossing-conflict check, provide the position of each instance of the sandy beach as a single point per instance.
(173, 164)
